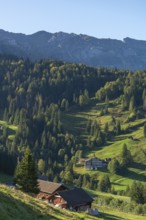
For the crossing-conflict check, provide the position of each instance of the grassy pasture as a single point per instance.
(11, 129)
(17, 205)
(76, 120)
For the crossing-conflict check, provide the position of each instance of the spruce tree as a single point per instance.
(126, 157)
(132, 104)
(114, 166)
(118, 128)
(26, 173)
(41, 166)
(136, 192)
(104, 184)
(144, 193)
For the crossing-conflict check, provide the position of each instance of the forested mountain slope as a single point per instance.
(64, 112)
(32, 98)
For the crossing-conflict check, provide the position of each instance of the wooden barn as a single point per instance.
(74, 199)
(48, 190)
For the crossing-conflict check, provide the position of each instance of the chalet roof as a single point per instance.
(93, 158)
(48, 187)
(75, 197)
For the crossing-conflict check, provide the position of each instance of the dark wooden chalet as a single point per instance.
(48, 189)
(94, 163)
(75, 199)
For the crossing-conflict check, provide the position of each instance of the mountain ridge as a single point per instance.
(105, 52)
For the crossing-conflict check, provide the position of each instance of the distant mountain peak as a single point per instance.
(127, 54)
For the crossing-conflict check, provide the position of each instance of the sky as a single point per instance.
(114, 19)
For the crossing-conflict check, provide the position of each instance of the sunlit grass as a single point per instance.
(18, 205)
(76, 121)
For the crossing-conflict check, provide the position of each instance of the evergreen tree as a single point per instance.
(79, 181)
(5, 115)
(136, 192)
(86, 96)
(16, 117)
(132, 104)
(26, 173)
(56, 179)
(144, 193)
(126, 157)
(81, 100)
(144, 94)
(118, 127)
(66, 105)
(68, 177)
(84, 181)
(104, 184)
(114, 166)
(125, 101)
(107, 100)
(41, 166)
(106, 127)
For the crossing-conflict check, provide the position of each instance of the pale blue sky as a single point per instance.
(115, 19)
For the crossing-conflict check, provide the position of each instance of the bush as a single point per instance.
(138, 209)
(144, 209)
(121, 205)
(127, 207)
(116, 203)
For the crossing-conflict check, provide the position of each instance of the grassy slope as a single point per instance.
(78, 119)
(21, 206)
(113, 214)
(17, 205)
(11, 129)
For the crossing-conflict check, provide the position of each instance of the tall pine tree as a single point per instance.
(26, 173)
(126, 157)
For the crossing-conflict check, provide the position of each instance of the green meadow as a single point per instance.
(17, 205)
(75, 121)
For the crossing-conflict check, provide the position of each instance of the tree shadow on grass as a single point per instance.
(119, 138)
(138, 166)
(133, 175)
(135, 127)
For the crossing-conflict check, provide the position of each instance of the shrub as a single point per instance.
(138, 209)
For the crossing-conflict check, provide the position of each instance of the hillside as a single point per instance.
(126, 54)
(73, 109)
(15, 204)
(68, 112)
(134, 139)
